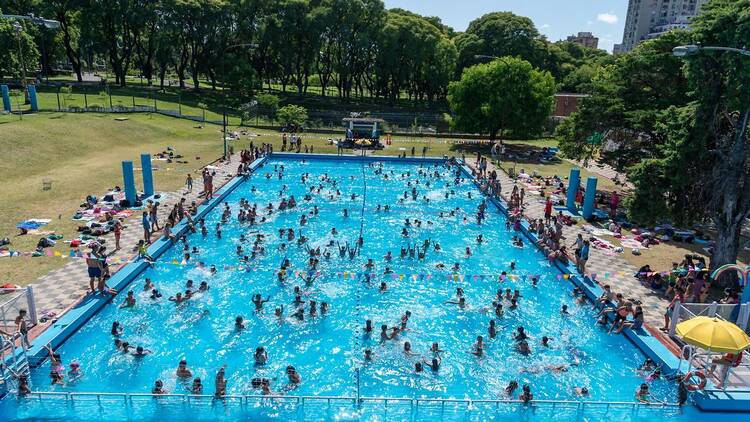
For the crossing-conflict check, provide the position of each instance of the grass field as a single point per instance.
(80, 155)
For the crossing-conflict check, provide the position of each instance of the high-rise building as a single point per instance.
(586, 39)
(649, 19)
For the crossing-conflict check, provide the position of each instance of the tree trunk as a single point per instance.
(725, 251)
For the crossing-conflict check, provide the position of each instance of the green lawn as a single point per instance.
(80, 154)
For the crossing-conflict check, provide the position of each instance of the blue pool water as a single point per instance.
(328, 350)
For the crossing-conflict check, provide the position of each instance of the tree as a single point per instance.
(292, 115)
(498, 34)
(11, 60)
(506, 94)
(268, 104)
(68, 13)
(414, 55)
(678, 126)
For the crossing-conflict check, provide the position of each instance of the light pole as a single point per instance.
(688, 50)
(224, 92)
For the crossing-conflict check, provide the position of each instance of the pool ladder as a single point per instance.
(14, 361)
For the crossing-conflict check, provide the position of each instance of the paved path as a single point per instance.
(599, 263)
(60, 289)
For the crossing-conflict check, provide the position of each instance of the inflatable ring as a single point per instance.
(695, 387)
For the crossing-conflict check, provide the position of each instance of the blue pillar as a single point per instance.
(32, 97)
(148, 177)
(589, 199)
(129, 182)
(6, 98)
(573, 181)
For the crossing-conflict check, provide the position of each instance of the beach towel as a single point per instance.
(630, 243)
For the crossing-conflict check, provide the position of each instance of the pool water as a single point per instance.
(328, 350)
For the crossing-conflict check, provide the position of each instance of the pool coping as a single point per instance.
(76, 317)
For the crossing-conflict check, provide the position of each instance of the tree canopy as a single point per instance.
(505, 94)
(678, 125)
(350, 47)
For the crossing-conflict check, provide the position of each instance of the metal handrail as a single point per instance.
(417, 401)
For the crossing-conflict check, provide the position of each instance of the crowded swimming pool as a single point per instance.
(426, 212)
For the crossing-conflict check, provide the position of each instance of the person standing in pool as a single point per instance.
(259, 301)
(221, 382)
(182, 370)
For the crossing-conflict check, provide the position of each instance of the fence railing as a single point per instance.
(12, 301)
(128, 398)
(738, 314)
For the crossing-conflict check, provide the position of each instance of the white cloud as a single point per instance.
(545, 26)
(607, 18)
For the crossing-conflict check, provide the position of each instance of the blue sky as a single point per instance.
(554, 18)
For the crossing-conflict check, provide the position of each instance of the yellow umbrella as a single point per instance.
(713, 334)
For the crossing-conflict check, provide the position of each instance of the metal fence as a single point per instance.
(12, 301)
(727, 378)
(131, 398)
(738, 314)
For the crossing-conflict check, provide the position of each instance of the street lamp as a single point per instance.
(688, 50)
(224, 91)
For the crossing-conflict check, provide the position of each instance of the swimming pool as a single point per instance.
(328, 350)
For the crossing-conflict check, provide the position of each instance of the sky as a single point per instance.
(554, 18)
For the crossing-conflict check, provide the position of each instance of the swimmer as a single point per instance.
(259, 301)
(492, 329)
(384, 333)
(158, 388)
(407, 349)
(461, 302)
(545, 341)
(526, 395)
(520, 334)
(197, 387)
(177, 299)
(642, 394)
(368, 355)
(141, 352)
(261, 356)
(129, 301)
(182, 370)
(75, 373)
(564, 310)
(510, 388)
(116, 329)
(581, 391)
(478, 347)
(523, 347)
(433, 364)
(239, 323)
(293, 375)
(383, 287)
